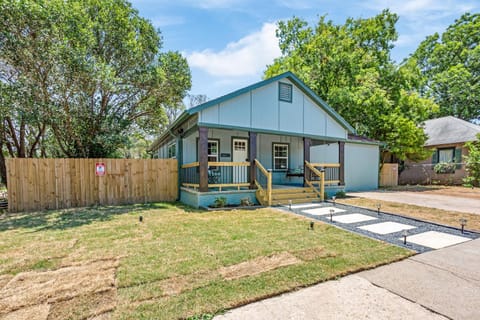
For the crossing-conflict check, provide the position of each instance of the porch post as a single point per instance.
(341, 161)
(252, 155)
(203, 158)
(307, 143)
(179, 156)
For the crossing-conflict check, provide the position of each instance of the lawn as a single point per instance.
(177, 263)
(450, 218)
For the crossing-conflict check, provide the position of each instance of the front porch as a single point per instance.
(237, 182)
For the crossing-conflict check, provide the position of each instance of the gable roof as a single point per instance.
(449, 130)
(289, 75)
(295, 80)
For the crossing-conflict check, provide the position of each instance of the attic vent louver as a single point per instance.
(285, 92)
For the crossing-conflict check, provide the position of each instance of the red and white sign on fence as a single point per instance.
(100, 169)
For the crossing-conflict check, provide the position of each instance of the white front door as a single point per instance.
(240, 154)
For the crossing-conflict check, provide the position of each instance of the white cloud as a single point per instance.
(425, 9)
(163, 21)
(245, 57)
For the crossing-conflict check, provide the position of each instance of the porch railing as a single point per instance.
(315, 178)
(220, 175)
(331, 170)
(263, 181)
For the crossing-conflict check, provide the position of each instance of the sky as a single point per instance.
(229, 43)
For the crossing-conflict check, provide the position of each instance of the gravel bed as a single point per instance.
(395, 238)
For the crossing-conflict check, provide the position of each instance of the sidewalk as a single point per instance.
(438, 284)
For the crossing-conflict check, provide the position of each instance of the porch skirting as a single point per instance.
(199, 199)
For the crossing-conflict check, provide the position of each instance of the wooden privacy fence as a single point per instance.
(38, 184)
(389, 175)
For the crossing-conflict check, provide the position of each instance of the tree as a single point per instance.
(450, 64)
(80, 73)
(472, 163)
(350, 67)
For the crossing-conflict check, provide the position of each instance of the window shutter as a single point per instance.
(458, 158)
(434, 158)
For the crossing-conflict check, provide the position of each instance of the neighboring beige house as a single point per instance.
(446, 138)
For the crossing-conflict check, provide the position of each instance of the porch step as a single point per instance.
(297, 195)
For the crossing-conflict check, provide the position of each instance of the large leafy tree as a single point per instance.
(79, 74)
(350, 67)
(451, 66)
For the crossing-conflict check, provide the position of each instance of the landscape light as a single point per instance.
(379, 205)
(312, 224)
(331, 215)
(290, 205)
(405, 234)
(463, 222)
(140, 219)
(334, 198)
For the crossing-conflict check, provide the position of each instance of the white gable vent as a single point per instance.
(285, 92)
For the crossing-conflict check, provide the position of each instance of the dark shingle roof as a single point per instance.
(449, 130)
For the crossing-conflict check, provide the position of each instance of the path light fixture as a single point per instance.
(331, 215)
(379, 205)
(405, 234)
(290, 205)
(333, 199)
(463, 222)
(140, 218)
(312, 224)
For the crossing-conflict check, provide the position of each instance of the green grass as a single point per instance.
(176, 244)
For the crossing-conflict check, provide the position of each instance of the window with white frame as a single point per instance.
(280, 156)
(213, 150)
(446, 155)
(172, 150)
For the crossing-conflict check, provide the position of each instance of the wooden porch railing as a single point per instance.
(263, 182)
(331, 170)
(220, 175)
(320, 174)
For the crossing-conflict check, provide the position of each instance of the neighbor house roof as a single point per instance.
(448, 130)
(289, 75)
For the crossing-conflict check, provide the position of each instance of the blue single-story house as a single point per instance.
(272, 142)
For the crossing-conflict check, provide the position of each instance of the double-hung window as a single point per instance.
(280, 156)
(213, 152)
(446, 155)
(172, 150)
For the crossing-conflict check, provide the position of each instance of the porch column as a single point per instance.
(341, 161)
(179, 156)
(307, 143)
(203, 158)
(252, 155)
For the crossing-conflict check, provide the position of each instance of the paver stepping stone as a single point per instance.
(353, 218)
(322, 211)
(301, 206)
(435, 239)
(386, 227)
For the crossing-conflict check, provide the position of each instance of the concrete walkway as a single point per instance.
(467, 205)
(441, 284)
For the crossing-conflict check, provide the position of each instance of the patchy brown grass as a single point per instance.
(101, 263)
(62, 291)
(453, 191)
(258, 265)
(450, 218)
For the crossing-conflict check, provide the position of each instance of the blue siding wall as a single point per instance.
(361, 167)
(261, 109)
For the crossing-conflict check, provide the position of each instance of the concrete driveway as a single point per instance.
(444, 202)
(441, 284)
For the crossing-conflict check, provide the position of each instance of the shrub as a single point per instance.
(444, 167)
(340, 194)
(472, 163)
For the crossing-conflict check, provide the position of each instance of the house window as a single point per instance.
(280, 156)
(172, 150)
(212, 150)
(446, 155)
(285, 92)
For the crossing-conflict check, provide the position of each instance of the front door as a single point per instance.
(240, 154)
